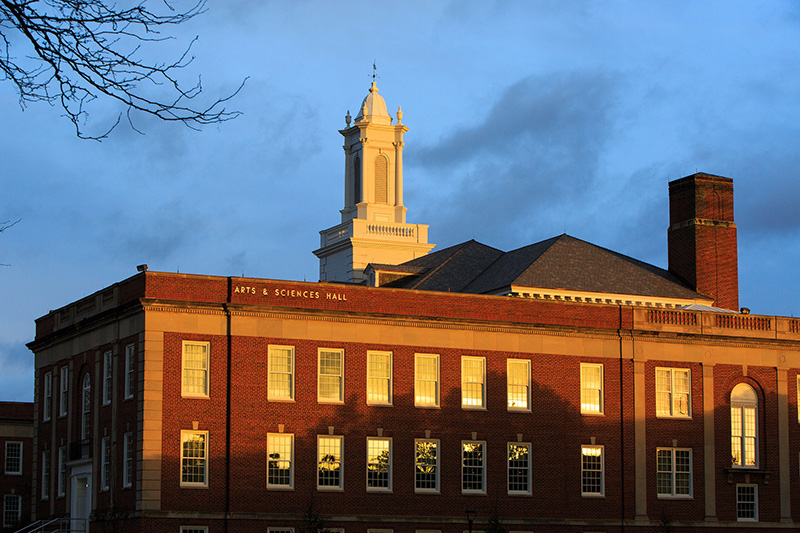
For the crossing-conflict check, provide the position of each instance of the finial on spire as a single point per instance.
(399, 115)
(348, 118)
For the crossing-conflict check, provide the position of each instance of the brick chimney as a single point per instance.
(701, 237)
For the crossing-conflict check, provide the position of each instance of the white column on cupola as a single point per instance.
(373, 225)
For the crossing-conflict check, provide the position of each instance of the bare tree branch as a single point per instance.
(80, 50)
(4, 226)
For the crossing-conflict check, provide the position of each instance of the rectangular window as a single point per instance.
(280, 460)
(128, 465)
(12, 510)
(46, 475)
(13, 457)
(673, 392)
(330, 388)
(379, 464)
(674, 472)
(194, 529)
(130, 371)
(194, 458)
(282, 530)
(280, 382)
(47, 404)
(591, 388)
(473, 467)
(519, 468)
(426, 380)
(63, 398)
(329, 463)
(62, 472)
(592, 468)
(518, 375)
(743, 436)
(746, 503)
(195, 369)
(107, 377)
(426, 465)
(379, 378)
(473, 382)
(105, 459)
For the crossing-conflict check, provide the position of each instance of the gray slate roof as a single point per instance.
(562, 262)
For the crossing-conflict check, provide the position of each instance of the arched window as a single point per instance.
(744, 432)
(381, 180)
(356, 180)
(86, 405)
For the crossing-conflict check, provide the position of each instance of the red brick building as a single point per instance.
(558, 387)
(16, 444)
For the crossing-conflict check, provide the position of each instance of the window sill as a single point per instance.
(379, 491)
(427, 406)
(379, 404)
(195, 396)
(426, 491)
(330, 489)
(517, 494)
(593, 496)
(282, 488)
(281, 400)
(518, 410)
(330, 402)
(677, 497)
(749, 470)
(193, 486)
(673, 417)
(472, 408)
(592, 413)
(473, 492)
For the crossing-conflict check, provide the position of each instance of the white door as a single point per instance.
(81, 496)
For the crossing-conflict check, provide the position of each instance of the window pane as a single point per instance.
(472, 381)
(426, 465)
(193, 458)
(329, 462)
(426, 376)
(472, 466)
(591, 388)
(195, 369)
(281, 379)
(592, 470)
(519, 468)
(379, 368)
(518, 384)
(378, 463)
(279, 462)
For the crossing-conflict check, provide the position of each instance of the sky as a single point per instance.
(527, 119)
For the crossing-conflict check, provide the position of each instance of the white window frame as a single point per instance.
(739, 501)
(340, 486)
(672, 395)
(273, 394)
(61, 487)
(526, 383)
(105, 464)
(388, 442)
(673, 473)
(108, 378)
(320, 375)
(47, 404)
(372, 395)
(46, 474)
(7, 510)
(86, 406)
(185, 387)
(128, 460)
(586, 471)
(63, 392)
(185, 434)
(464, 467)
(528, 469)
(465, 398)
(419, 401)
(12, 471)
(587, 404)
(740, 409)
(437, 470)
(130, 371)
(290, 460)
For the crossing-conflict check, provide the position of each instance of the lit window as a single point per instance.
(105, 459)
(673, 392)
(128, 467)
(746, 503)
(280, 383)
(86, 406)
(46, 475)
(194, 458)
(744, 443)
(280, 467)
(130, 371)
(331, 376)
(195, 369)
(329, 463)
(519, 468)
(473, 467)
(13, 457)
(426, 380)
(473, 382)
(426, 465)
(379, 378)
(591, 388)
(107, 378)
(592, 468)
(518, 374)
(674, 475)
(12, 510)
(63, 399)
(379, 464)
(48, 396)
(62, 471)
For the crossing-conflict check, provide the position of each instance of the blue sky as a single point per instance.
(527, 119)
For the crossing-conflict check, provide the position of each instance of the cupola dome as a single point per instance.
(373, 108)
